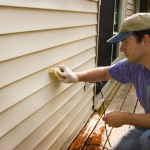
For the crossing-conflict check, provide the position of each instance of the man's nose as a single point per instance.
(122, 49)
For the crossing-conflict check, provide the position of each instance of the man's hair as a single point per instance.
(139, 35)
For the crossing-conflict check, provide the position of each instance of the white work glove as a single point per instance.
(67, 75)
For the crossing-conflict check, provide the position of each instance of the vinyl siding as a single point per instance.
(37, 111)
(131, 7)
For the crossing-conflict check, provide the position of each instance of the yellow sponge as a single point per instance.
(53, 72)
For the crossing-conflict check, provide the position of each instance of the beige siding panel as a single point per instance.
(130, 12)
(31, 141)
(29, 42)
(126, 17)
(68, 131)
(37, 111)
(69, 5)
(130, 6)
(37, 19)
(48, 125)
(29, 105)
(35, 137)
(7, 100)
(131, 2)
(52, 136)
(29, 64)
(87, 65)
(76, 127)
(34, 102)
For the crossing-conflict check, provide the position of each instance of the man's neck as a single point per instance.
(146, 62)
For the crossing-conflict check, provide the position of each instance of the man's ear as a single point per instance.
(146, 40)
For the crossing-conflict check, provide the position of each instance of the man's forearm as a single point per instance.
(140, 120)
(94, 75)
(117, 119)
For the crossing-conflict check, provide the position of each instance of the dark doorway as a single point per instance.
(144, 5)
(105, 32)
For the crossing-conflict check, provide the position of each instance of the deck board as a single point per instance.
(121, 98)
(92, 147)
(117, 100)
(97, 135)
(116, 105)
(130, 102)
(83, 136)
(116, 134)
(128, 106)
(139, 109)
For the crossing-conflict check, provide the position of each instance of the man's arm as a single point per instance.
(90, 75)
(94, 75)
(117, 119)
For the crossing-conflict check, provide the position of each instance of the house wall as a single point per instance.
(131, 7)
(36, 111)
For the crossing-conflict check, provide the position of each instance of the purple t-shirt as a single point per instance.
(124, 73)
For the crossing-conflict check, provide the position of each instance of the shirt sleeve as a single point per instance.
(121, 72)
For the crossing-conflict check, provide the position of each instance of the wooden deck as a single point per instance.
(118, 97)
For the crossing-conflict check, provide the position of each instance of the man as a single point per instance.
(135, 38)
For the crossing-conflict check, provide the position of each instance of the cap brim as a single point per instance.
(119, 36)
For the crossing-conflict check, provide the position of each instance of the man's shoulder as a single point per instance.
(130, 65)
(124, 66)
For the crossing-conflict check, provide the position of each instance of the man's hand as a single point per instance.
(67, 75)
(115, 119)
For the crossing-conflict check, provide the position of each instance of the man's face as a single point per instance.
(134, 51)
